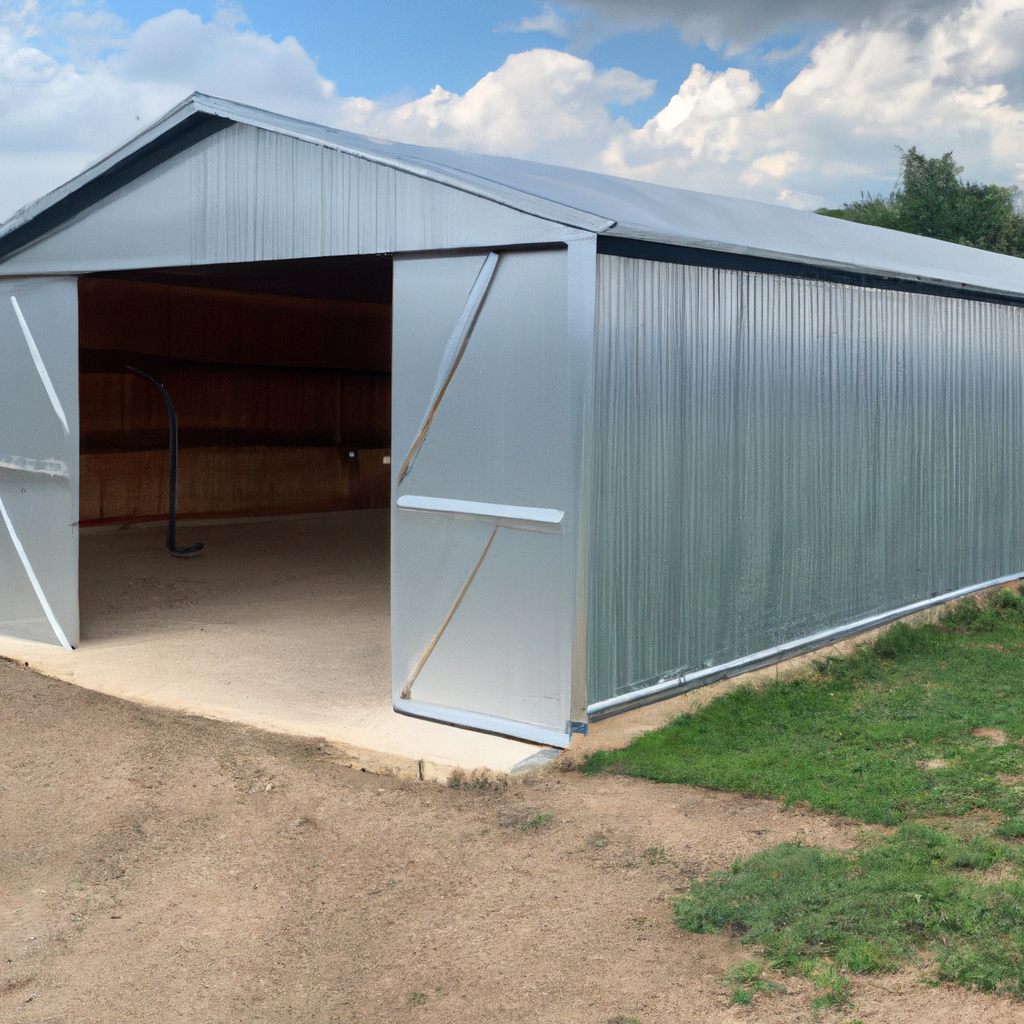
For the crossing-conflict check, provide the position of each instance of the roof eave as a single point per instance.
(882, 273)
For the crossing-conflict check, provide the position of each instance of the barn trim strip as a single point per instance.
(509, 515)
(76, 199)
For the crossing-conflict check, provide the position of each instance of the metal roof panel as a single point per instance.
(601, 203)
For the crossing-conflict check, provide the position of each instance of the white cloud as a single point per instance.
(22, 19)
(833, 131)
(705, 117)
(738, 24)
(772, 165)
(547, 21)
(58, 115)
(956, 83)
(544, 104)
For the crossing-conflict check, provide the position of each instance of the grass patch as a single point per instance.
(745, 981)
(926, 723)
(884, 735)
(538, 821)
(527, 819)
(819, 913)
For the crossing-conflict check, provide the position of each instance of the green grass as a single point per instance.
(745, 981)
(819, 913)
(882, 736)
(849, 736)
(536, 822)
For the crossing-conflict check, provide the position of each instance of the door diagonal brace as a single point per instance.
(33, 579)
(44, 376)
(452, 354)
(428, 650)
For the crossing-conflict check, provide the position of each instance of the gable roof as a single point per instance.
(609, 206)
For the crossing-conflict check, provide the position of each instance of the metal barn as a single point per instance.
(632, 438)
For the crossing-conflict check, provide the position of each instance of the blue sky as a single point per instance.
(393, 48)
(801, 102)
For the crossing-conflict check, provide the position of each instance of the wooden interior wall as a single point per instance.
(246, 328)
(272, 393)
(236, 481)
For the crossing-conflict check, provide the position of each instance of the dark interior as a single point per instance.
(280, 374)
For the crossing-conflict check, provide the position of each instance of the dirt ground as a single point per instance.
(157, 867)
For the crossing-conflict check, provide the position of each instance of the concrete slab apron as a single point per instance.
(279, 623)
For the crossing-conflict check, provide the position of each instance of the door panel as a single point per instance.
(481, 585)
(39, 460)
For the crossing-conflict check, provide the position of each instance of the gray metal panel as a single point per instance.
(39, 460)
(677, 216)
(249, 194)
(500, 437)
(777, 458)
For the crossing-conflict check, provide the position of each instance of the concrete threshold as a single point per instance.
(280, 623)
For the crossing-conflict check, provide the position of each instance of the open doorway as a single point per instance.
(280, 373)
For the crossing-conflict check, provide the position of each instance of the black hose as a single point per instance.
(173, 473)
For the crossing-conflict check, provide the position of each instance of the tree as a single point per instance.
(931, 198)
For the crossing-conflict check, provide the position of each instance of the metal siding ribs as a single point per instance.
(778, 458)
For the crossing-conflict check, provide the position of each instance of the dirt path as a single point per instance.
(156, 867)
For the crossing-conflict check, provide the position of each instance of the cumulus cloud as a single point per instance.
(178, 51)
(543, 103)
(60, 113)
(954, 83)
(771, 165)
(957, 84)
(56, 116)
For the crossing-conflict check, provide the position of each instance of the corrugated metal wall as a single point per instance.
(774, 457)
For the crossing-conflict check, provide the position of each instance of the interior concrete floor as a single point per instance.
(281, 623)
